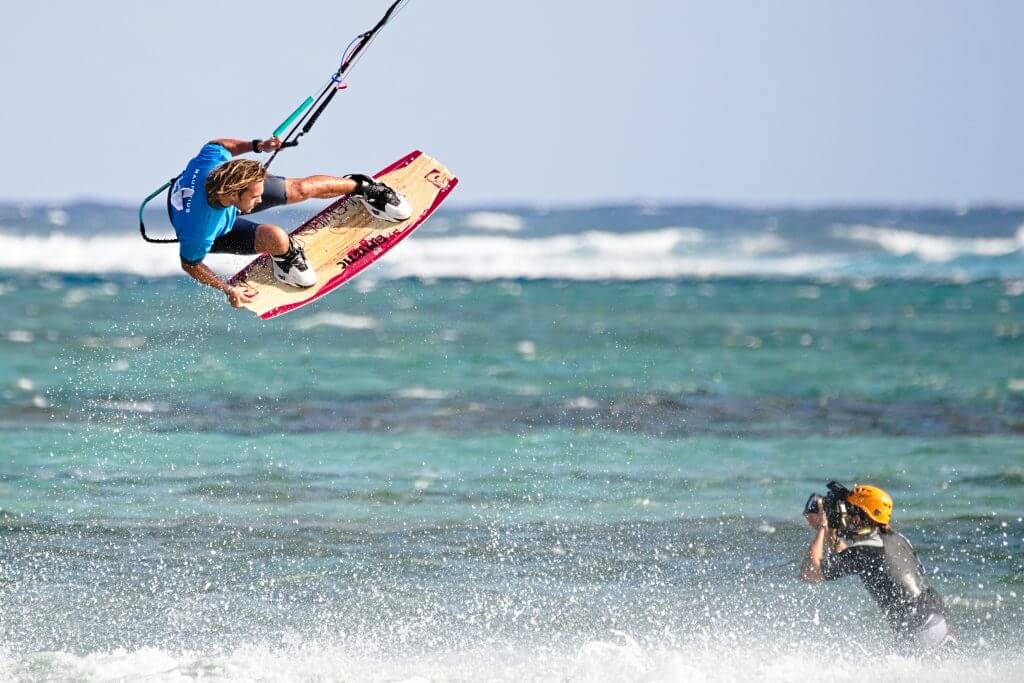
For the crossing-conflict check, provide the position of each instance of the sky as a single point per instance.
(532, 102)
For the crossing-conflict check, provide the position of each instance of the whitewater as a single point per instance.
(634, 243)
(542, 444)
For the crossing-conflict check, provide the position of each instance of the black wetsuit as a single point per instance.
(891, 572)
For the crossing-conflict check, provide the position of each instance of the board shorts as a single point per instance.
(241, 239)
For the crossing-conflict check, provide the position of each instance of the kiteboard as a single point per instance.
(343, 240)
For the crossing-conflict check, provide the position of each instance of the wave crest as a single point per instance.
(668, 252)
(930, 248)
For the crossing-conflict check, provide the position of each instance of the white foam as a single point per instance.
(78, 295)
(582, 403)
(339, 320)
(75, 297)
(664, 253)
(92, 342)
(594, 255)
(811, 292)
(669, 252)
(1014, 288)
(619, 658)
(130, 406)
(494, 220)
(765, 243)
(931, 248)
(58, 217)
(526, 348)
(61, 253)
(422, 394)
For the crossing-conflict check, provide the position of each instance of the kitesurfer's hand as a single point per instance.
(817, 520)
(237, 296)
(271, 144)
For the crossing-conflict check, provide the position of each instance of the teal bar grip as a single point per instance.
(295, 114)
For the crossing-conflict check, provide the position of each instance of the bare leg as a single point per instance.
(271, 239)
(317, 187)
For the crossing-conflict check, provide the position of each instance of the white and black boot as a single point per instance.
(380, 200)
(292, 268)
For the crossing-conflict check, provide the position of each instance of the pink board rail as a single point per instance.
(364, 258)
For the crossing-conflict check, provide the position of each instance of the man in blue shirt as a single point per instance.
(214, 189)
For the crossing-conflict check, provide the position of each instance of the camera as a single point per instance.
(832, 503)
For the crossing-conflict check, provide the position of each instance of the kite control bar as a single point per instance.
(294, 115)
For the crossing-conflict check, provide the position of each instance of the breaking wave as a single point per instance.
(930, 248)
(665, 253)
(595, 255)
(494, 220)
(499, 247)
(59, 252)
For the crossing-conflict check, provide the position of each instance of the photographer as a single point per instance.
(853, 536)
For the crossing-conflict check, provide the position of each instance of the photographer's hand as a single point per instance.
(810, 570)
(817, 520)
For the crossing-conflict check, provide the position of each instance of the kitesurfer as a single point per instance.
(207, 198)
(865, 544)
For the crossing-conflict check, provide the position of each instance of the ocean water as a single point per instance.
(532, 445)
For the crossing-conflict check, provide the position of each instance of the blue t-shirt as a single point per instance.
(196, 223)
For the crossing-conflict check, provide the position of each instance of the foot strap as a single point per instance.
(362, 182)
(293, 251)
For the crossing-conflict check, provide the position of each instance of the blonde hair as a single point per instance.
(233, 177)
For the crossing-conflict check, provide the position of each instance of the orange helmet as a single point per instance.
(876, 503)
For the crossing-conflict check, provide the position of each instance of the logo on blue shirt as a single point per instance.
(196, 222)
(179, 195)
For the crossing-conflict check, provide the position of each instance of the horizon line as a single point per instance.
(959, 206)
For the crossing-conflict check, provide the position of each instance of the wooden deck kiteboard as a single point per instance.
(344, 239)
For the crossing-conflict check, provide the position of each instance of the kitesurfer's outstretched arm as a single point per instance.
(297, 189)
(202, 273)
(236, 147)
(266, 239)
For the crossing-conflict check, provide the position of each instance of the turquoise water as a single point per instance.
(508, 480)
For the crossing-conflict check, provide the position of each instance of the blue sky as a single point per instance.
(533, 102)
